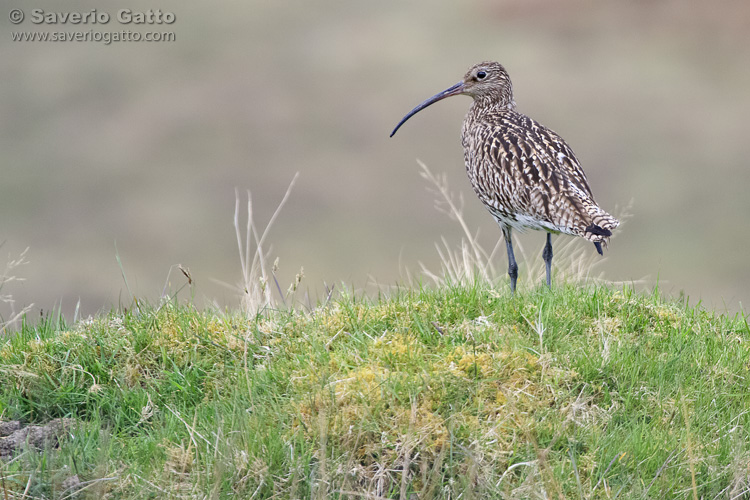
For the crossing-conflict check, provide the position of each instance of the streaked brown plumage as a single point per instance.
(525, 174)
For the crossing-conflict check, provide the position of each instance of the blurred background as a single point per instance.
(135, 149)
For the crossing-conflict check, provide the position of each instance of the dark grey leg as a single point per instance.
(547, 256)
(512, 266)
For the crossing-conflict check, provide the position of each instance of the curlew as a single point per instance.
(524, 173)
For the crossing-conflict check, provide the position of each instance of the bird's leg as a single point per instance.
(547, 256)
(512, 266)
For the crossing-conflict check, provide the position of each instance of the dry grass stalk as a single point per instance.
(8, 276)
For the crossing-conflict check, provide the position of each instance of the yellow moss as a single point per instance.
(218, 330)
(532, 360)
(36, 358)
(332, 319)
(358, 402)
(663, 312)
(270, 327)
(500, 398)
(419, 425)
(335, 318)
(369, 375)
(35, 347)
(353, 392)
(233, 335)
(68, 336)
(361, 383)
(470, 364)
(606, 324)
(5, 352)
(401, 346)
(132, 374)
(391, 312)
(669, 314)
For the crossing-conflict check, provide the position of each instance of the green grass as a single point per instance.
(460, 391)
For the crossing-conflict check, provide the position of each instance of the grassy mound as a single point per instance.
(578, 392)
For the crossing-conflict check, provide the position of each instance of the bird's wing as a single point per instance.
(598, 222)
(537, 175)
(552, 150)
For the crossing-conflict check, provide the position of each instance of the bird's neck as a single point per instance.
(491, 105)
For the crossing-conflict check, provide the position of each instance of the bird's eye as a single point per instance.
(481, 75)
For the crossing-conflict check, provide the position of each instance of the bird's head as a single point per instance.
(487, 82)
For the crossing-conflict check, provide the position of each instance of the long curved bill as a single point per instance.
(454, 90)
